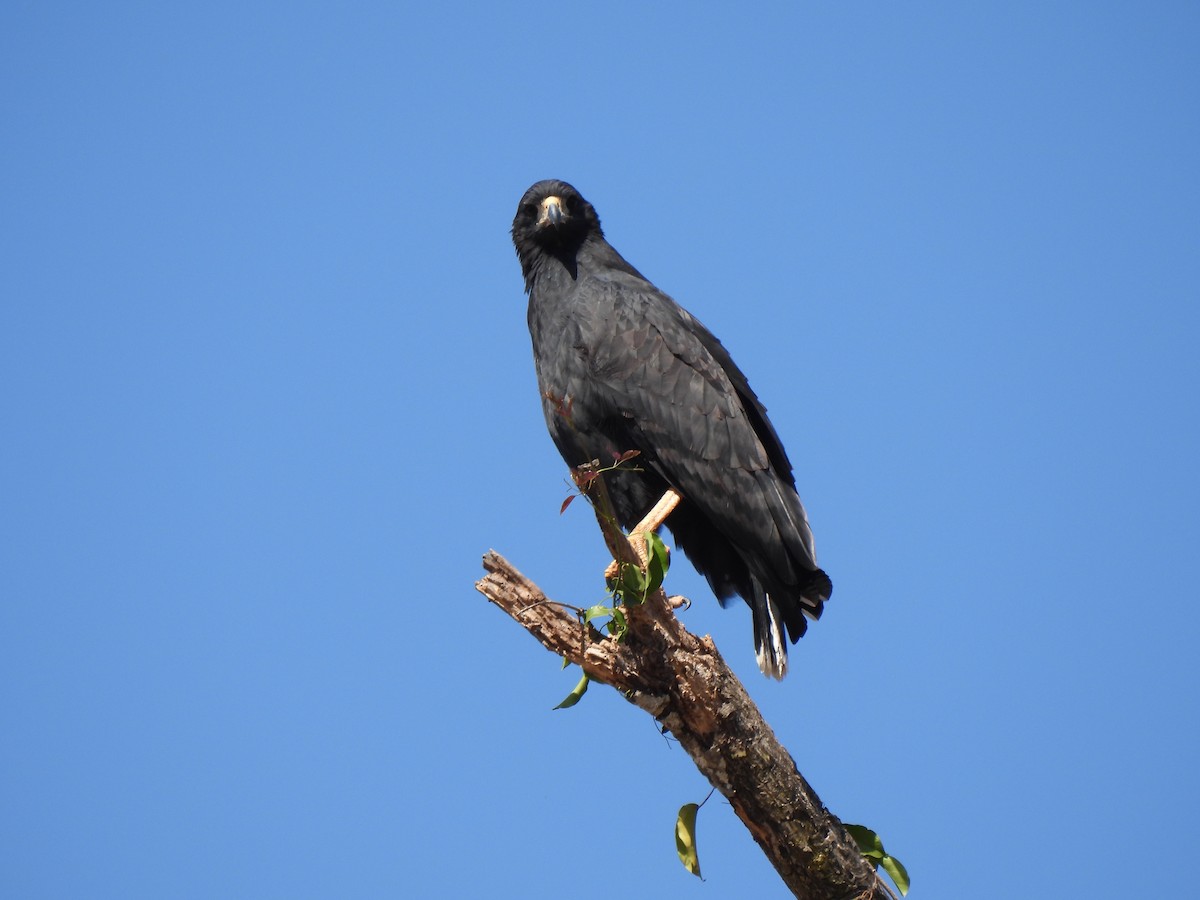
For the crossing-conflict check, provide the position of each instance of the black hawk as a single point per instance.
(621, 366)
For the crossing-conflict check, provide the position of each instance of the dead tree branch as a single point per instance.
(683, 682)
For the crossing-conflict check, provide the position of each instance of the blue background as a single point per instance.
(267, 396)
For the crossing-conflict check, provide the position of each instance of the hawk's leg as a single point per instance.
(652, 521)
(655, 518)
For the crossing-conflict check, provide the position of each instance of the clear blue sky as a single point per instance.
(267, 396)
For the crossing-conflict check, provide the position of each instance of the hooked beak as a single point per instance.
(552, 212)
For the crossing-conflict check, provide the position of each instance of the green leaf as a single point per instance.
(658, 560)
(576, 695)
(619, 625)
(595, 612)
(872, 848)
(566, 662)
(685, 837)
(898, 873)
(632, 583)
(867, 840)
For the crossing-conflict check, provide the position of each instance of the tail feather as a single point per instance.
(794, 577)
(770, 647)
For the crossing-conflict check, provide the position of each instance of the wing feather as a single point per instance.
(704, 431)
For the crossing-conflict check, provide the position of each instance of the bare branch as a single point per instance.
(684, 683)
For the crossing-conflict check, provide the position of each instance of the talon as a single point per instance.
(638, 540)
(637, 537)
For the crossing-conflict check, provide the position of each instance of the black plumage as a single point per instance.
(621, 366)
